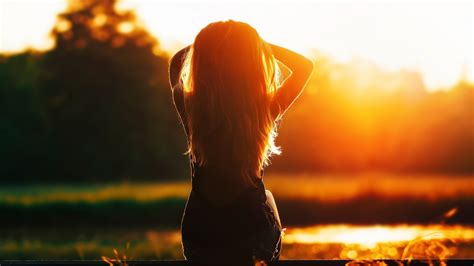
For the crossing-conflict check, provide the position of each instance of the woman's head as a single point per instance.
(229, 77)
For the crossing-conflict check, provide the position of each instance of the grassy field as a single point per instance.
(302, 200)
(308, 187)
(317, 242)
(82, 221)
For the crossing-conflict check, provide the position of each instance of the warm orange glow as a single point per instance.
(329, 188)
(319, 188)
(370, 236)
(436, 242)
(361, 242)
(100, 20)
(125, 27)
(63, 25)
(120, 259)
(450, 213)
(404, 35)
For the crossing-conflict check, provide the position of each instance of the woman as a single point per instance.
(228, 94)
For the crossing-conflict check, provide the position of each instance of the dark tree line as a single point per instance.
(96, 107)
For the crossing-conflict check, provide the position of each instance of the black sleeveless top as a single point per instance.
(236, 231)
(178, 100)
(197, 172)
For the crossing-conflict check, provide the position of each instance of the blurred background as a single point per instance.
(377, 153)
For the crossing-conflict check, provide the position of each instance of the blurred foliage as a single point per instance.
(98, 107)
(24, 138)
(365, 119)
(168, 211)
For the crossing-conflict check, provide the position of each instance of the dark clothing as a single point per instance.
(234, 233)
(239, 231)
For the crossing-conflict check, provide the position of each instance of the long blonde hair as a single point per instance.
(229, 77)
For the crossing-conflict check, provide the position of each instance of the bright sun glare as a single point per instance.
(369, 236)
(433, 38)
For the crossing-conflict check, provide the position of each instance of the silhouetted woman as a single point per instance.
(227, 91)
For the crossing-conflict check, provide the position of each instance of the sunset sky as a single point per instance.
(433, 38)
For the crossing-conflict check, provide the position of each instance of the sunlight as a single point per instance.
(27, 23)
(433, 38)
(125, 28)
(406, 35)
(378, 242)
(370, 236)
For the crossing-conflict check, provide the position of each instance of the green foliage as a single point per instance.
(98, 107)
(98, 104)
(24, 139)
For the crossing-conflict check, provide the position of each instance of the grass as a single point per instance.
(87, 244)
(155, 243)
(93, 193)
(302, 200)
(322, 188)
(333, 188)
(71, 221)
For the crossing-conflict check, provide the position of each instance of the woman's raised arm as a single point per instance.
(301, 68)
(176, 63)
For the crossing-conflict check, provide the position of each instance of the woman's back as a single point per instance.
(219, 181)
(226, 91)
(224, 216)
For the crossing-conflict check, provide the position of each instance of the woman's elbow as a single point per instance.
(173, 73)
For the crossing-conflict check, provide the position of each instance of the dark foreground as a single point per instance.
(454, 262)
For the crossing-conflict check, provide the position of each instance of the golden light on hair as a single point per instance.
(228, 87)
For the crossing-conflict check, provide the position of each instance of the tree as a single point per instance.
(106, 93)
(24, 142)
